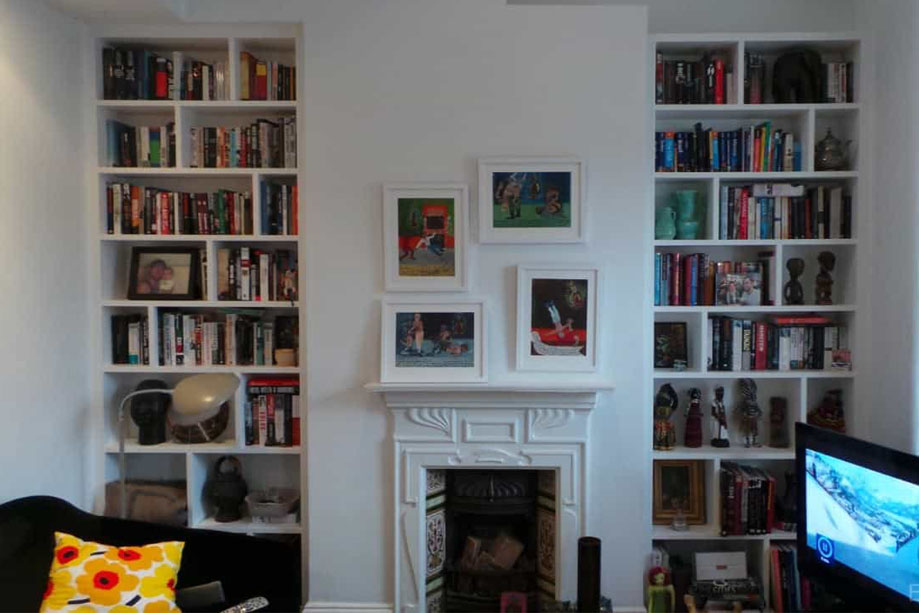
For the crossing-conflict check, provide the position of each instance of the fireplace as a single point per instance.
(489, 533)
(495, 470)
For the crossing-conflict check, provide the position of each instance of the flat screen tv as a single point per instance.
(858, 518)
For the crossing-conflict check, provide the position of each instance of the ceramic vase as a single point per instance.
(665, 224)
(688, 214)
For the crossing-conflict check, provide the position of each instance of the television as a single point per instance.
(858, 518)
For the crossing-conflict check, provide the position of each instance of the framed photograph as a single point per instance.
(669, 343)
(433, 342)
(425, 229)
(164, 273)
(679, 485)
(742, 288)
(531, 200)
(557, 323)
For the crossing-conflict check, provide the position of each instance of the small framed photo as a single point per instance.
(164, 273)
(531, 200)
(433, 342)
(670, 344)
(743, 289)
(425, 231)
(557, 321)
(679, 485)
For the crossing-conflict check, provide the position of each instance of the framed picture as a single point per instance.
(744, 289)
(557, 323)
(669, 343)
(433, 342)
(531, 200)
(424, 237)
(164, 273)
(679, 485)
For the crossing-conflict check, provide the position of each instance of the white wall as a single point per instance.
(44, 376)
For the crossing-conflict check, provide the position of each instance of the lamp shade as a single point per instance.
(201, 396)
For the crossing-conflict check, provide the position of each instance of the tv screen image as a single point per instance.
(863, 519)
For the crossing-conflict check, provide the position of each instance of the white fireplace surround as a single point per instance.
(486, 426)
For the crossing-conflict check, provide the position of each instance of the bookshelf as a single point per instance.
(802, 389)
(263, 466)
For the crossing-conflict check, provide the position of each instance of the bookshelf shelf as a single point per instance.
(802, 389)
(263, 466)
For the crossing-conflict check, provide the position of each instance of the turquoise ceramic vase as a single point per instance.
(688, 213)
(665, 224)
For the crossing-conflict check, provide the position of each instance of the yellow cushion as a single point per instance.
(89, 577)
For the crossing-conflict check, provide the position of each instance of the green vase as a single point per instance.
(688, 213)
(664, 224)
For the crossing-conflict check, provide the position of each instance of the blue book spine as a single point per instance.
(694, 280)
(797, 157)
(716, 159)
(263, 206)
(112, 134)
(762, 218)
(669, 151)
(657, 279)
(723, 214)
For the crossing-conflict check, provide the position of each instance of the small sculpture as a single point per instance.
(661, 595)
(692, 435)
(226, 489)
(831, 153)
(719, 420)
(829, 414)
(824, 281)
(149, 412)
(778, 431)
(749, 413)
(794, 292)
(665, 404)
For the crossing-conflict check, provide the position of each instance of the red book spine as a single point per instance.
(760, 359)
(744, 218)
(777, 604)
(109, 210)
(659, 79)
(757, 153)
(719, 81)
(294, 213)
(162, 82)
(770, 505)
(272, 435)
(675, 281)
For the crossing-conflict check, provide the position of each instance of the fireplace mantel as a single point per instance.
(522, 425)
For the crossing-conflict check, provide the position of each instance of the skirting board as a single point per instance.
(347, 607)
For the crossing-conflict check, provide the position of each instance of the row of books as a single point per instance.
(261, 144)
(143, 74)
(244, 273)
(790, 590)
(806, 342)
(272, 415)
(709, 80)
(130, 339)
(280, 209)
(783, 211)
(747, 500)
(694, 279)
(261, 80)
(759, 148)
(138, 209)
(219, 339)
(145, 146)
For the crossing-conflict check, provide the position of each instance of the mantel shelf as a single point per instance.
(490, 395)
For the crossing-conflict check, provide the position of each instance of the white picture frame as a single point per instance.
(425, 250)
(495, 217)
(547, 282)
(399, 362)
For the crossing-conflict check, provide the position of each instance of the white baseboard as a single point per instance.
(347, 607)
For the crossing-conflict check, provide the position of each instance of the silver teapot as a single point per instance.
(831, 153)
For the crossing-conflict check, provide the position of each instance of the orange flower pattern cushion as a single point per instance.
(90, 577)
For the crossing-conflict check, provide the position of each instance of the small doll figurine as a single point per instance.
(692, 437)
(824, 282)
(665, 404)
(661, 595)
(749, 412)
(830, 413)
(778, 432)
(793, 291)
(719, 420)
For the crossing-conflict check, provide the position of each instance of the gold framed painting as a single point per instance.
(679, 485)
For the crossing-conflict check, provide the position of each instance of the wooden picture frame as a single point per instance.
(164, 273)
(556, 331)
(673, 481)
(425, 230)
(531, 200)
(447, 346)
(670, 344)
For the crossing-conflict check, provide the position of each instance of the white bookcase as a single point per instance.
(803, 389)
(193, 463)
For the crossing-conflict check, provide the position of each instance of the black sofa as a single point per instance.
(246, 566)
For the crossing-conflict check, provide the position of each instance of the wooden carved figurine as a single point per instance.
(719, 420)
(794, 292)
(778, 431)
(665, 404)
(660, 592)
(749, 413)
(829, 414)
(824, 283)
(692, 436)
